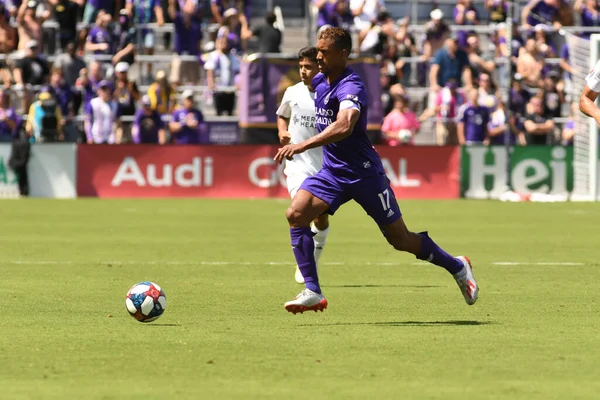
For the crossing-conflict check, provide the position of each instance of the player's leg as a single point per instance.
(320, 227)
(293, 182)
(379, 201)
(317, 194)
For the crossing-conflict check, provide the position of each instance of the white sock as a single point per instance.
(320, 238)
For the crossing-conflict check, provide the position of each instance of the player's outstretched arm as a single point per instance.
(587, 104)
(340, 129)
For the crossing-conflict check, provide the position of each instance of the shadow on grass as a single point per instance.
(381, 286)
(408, 323)
(163, 324)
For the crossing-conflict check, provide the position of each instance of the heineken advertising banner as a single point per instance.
(9, 186)
(543, 169)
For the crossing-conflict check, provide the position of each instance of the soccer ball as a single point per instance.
(146, 301)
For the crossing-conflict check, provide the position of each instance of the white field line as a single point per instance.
(114, 262)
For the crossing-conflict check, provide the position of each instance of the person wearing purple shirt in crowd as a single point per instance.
(218, 8)
(8, 118)
(589, 14)
(472, 120)
(352, 170)
(99, 40)
(148, 127)
(540, 12)
(498, 10)
(232, 28)
(498, 126)
(90, 14)
(465, 13)
(187, 121)
(334, 13)
(188, 36)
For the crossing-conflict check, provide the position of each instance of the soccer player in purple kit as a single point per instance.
(352, 170)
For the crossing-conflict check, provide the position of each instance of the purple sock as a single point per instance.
(434, 254)
(304, 251)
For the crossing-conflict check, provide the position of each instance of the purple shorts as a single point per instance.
(374, 195)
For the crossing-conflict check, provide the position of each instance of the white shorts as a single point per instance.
(294, 181)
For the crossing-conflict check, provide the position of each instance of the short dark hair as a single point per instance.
(341, 38)
(270, 17)
(308, 53)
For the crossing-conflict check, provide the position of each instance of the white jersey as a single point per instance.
(102, 117)
(298, 105)
(593, 78)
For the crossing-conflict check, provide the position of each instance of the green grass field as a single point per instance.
(394, 329)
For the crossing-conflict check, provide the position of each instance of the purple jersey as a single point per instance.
(354, 157)
(542, 13)
(187, 39)
(475, 120)
(146, 126)
(100, 35)
(187, 135)
(7, 114)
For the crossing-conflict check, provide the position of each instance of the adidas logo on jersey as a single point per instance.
(295, 105)
(390, 213)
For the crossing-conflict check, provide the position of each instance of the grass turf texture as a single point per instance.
(393, 329)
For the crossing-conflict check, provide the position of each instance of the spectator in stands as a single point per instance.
(553, 95)
(334, 13)
(544, 47)
(567, 68)
(187, 121)
(501, 51)
(144, 12)
(221, 67)
(125, 40)
(8, 118)
(8, 43)
(588, 11)
(70, 63)
(519, 98)
(218, 8)
(269, 37)
(148, 127)
(101, 116)
(450, 62)
(65, 99)
(31, 70)
(541, 12)
(100, 40)
(126, 94)
(232, 28)
(188, 37)
(568, 131)
(373, 39)
(401, 125)
(530, 63)
(66, 14)
(479, 61)
(498, 127)
(405, 47)
(445, 108)
(44, 122)
(87, 83)
(91, 11)
(539, 129)
(473, 120)
(365, 12)
(487, 92)
(436, 33)
(29, 25)
(498, 10)
(465, 14)
(163, 96)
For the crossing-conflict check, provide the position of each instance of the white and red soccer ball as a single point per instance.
(146, 301)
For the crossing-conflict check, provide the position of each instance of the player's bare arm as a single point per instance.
(282, 128)
(340, 129)
(587, 104)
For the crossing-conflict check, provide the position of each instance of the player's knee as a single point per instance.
(399, 240)
(294, 216)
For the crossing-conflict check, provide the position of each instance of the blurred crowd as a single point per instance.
(467, 72)
(63, 59)
(60, 59)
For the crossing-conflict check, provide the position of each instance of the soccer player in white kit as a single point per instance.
(296, 123)
(587, 101)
